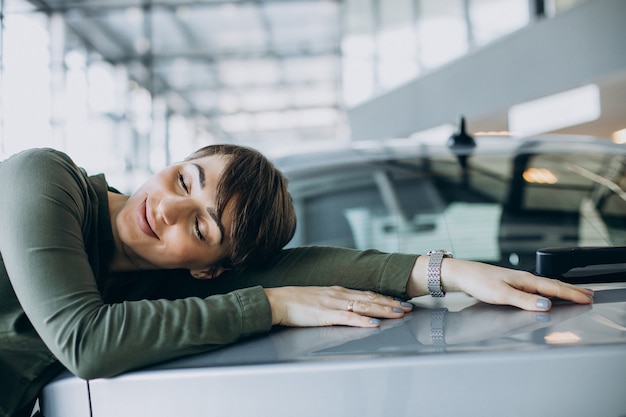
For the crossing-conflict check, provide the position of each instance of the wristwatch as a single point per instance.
(434, 271)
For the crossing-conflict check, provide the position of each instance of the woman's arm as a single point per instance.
(398, 275)
(47, 216)
(297, 306)
(313, 286)
(497, 285)
(370, 270)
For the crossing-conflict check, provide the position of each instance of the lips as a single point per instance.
(143, 220)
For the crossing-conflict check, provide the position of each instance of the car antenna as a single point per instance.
(461, 140)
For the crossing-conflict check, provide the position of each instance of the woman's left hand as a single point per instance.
(497, 285)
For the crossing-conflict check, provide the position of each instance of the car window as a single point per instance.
(500, 209)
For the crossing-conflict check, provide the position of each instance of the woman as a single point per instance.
(99, 282)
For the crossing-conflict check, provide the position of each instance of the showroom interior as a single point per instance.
(370, 108)
(145, 82)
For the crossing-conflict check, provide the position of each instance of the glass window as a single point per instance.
(358, 51)
(500, 210)
(491, 19)
(559, 6)
(441, 32)
(396, 43)
(571, 175)
(358, 68)
(26, 79)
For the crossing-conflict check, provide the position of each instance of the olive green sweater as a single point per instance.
(59, 307)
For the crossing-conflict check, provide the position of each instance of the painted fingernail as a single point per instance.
(543, 304)
(375, 321)
(397, 310)
(405, 304)
(542, 318)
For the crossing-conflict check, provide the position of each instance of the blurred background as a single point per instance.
(128, 86)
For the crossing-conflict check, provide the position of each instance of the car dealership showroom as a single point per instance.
(312, 208)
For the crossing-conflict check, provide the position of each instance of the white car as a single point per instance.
(499, 202)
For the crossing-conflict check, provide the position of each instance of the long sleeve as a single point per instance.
(47, 215)
(385, 273)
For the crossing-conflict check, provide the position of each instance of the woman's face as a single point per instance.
(171, 222)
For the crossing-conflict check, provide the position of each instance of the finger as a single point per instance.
(343, 314)
(532, 295)
(555, 288)
(523, 299)
(373, 309)
(342, 306)
(361, 312)
(346, 318)
(375, 298)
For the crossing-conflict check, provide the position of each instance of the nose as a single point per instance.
(173, 208)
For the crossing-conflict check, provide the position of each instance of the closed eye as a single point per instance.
(182, 182)
(199, 232)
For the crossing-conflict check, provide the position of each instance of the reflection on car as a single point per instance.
(512, 197)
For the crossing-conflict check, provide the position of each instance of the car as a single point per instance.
(498, 199)
(497, 202)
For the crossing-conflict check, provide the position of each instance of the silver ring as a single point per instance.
(351, 306)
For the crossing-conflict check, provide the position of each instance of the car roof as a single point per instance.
(300, 163)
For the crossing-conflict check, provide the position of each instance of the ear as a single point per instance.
(208, 273)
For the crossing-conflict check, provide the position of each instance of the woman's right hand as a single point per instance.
(327, 306)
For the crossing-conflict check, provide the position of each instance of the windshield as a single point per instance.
(494, 208)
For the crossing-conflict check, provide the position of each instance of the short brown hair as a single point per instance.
(264, 219)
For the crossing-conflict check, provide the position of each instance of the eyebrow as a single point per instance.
(210, 210)
(201, 175)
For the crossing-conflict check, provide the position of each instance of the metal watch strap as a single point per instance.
(434, 271)
(437, 327)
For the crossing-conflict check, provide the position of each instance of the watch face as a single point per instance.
(445, 253)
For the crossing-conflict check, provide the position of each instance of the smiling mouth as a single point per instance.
(142, 220)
